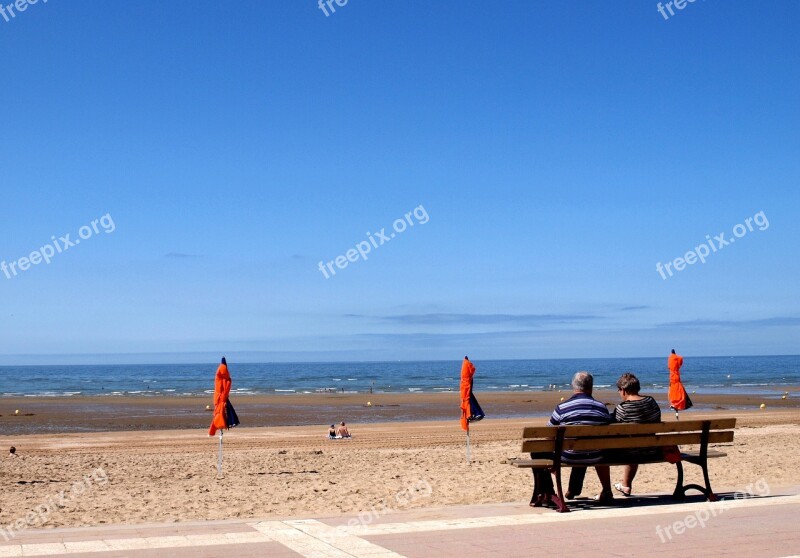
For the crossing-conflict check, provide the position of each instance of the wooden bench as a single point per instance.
(551, 440)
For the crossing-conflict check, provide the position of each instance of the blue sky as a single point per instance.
(559, 151)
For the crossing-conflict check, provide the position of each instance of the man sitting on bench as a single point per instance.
(581, 408)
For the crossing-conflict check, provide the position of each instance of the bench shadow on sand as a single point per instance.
(585, 503)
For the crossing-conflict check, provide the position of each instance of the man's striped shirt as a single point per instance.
(581, 409)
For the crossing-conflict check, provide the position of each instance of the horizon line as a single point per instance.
(321, 361)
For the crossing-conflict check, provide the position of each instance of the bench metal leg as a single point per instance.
(536, 490)
(543, 492)
(680, 491)
(558, 497)
(680, 488)
(702, 461)
(709, 493)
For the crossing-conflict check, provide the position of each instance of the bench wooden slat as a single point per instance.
(532, 463)
(629, 428)
(696, 453)
(546, 463)
(647, 441)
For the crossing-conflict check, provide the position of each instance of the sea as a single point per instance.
(767, 375)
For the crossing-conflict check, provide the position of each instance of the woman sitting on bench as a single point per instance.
(634, 408)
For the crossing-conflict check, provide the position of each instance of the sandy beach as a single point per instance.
(158, 475)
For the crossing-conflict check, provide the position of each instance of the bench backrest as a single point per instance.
(627, 435)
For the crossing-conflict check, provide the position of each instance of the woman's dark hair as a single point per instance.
(629, 384)
(225, 362)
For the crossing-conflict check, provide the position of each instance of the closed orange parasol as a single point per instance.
(678, 398)
(224, 413)
(470, 409)
(222, 389)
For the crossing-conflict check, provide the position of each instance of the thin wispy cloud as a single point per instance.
(443, 319)
(776, 321)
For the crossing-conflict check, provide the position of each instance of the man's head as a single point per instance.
(673, 351)
(342, 423)
(582, 382)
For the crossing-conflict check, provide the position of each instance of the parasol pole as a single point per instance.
(468, 448)
(219, 459)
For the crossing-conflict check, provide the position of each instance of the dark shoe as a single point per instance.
(624, 490)
(604, 498)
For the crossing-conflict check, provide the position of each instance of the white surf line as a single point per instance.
(553, 517)
(314, 539)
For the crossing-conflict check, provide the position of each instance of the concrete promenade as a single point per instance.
(763, 526)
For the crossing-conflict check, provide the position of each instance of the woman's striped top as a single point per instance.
(641, 410)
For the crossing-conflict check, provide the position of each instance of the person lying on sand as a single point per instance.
(12, 452)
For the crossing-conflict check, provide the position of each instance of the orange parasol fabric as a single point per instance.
(222, 389)
(470, 409)
(678, 398)
(467, 374)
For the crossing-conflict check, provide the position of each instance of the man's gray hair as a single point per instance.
(582, 381)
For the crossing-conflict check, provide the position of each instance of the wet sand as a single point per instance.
(105, 413)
